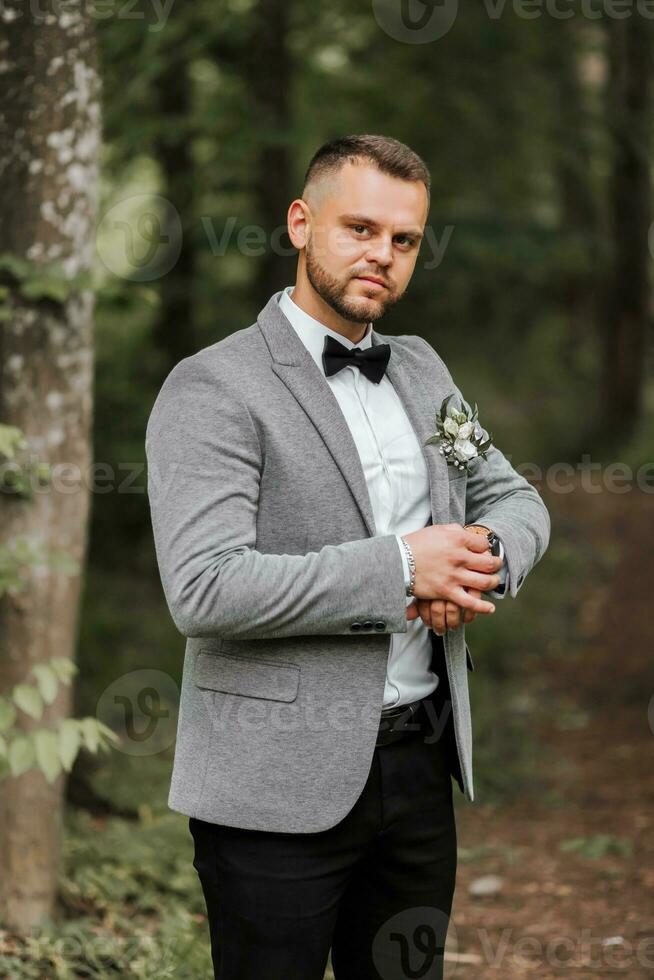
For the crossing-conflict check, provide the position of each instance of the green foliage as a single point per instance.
(49, 750)
(141, 910)
(598, 846)
(11, 439)
(16, 478)
(37, 281)
(130, 902)
(20, 552)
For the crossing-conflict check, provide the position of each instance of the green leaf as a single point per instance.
(90, 733)
(108, 732)
(64, 668)
(14, 265)
(46, 745)
(432, 441)
(28, 699)
(70, 739)
(46, 282)
(7, 714)
(47, 681)
(11, 439)
(20, 755)
(445, 403)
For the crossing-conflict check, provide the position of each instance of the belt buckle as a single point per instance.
(399, 713)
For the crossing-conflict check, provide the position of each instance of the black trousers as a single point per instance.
(377, 887)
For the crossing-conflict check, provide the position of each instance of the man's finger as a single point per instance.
(485, 562)
(468, 614)
(424, 605)
(468, 601)
(475, 580)
(412, 611)
(475, 541)
(452, 616)
(437, 612)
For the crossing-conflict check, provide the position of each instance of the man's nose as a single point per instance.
(380, 251)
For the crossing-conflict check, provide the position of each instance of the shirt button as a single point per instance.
(380, 625)
(355, 626)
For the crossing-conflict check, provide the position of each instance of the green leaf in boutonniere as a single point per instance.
(459, 434)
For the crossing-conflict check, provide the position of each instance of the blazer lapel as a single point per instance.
(420, 405)
(296, 368)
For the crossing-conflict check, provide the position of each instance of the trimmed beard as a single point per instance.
(332, 292)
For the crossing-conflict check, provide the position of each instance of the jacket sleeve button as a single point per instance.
(355, 626)
(367, 625)
(380, 625)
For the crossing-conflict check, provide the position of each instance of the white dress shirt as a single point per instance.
(398, 485)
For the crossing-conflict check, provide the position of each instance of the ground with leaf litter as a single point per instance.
(570, 884)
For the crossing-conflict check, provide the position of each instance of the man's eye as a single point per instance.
(357, 227)
(407, 240)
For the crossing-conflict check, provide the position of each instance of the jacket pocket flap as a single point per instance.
(252, 678)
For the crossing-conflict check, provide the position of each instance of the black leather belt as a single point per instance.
(401, 721)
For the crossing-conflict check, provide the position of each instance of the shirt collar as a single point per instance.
(312, 332)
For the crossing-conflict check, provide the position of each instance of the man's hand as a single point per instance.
(440, 615)
(454, 565)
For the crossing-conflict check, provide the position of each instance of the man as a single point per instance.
(312, 549)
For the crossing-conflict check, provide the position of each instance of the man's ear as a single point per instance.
(298, 221)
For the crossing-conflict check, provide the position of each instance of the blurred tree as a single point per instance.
(566, 50)
(49, 141)
(174, 332)
(268, 67)
(627, 316)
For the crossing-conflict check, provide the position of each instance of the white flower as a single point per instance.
(459, 433)
(465, 450)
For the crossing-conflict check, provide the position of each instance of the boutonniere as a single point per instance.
(460, 435)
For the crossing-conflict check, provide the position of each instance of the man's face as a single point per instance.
(367, 224)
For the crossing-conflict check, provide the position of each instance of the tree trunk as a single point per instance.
(571, 144)
(49, 140)
(174, 332)
(627, 316)
(268, 62)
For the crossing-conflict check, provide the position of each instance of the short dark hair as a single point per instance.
(387, 154)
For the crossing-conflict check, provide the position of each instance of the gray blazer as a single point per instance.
(272, 570)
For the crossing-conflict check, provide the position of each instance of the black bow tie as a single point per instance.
(372, 361)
